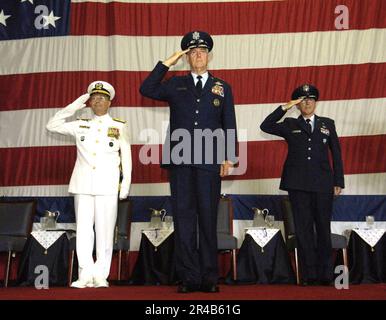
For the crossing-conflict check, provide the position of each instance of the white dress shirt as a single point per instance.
(203, 79)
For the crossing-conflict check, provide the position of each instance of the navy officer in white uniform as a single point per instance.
(103, 154)
(309, 179)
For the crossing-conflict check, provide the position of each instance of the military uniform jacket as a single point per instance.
(307, 166)
(102, 146)
(213, 109)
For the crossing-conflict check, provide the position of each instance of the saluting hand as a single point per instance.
(81, 101)
(290, 104)
(225, 167)
(174, 58)
(337, 190)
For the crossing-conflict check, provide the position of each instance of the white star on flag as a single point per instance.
(32, 1)
(51, 19)
(3, 17)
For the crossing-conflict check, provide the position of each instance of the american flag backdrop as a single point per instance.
(50, 51)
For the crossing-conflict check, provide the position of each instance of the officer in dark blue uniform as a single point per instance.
(201, 134)
(309, 179)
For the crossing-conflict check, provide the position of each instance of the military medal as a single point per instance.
(325, 131)
(111, 144)
(216, 102)
(113, 132)
(217, 89)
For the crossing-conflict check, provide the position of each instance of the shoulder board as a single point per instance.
(218, 81)
(325, 119)
(119, 120)
(84, 119)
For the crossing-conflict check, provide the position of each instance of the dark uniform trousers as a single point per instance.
(195, 185)
(312, 216)
(310, 180)
(195, 195)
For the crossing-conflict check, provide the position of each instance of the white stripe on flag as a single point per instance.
(75, 53)
(26, 128)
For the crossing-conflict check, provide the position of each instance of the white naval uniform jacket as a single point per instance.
(102, 145)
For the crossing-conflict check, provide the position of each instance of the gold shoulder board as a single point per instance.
(119, 120)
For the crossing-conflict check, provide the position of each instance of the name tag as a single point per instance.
(296, 131)
(84, 127)
(182, 88)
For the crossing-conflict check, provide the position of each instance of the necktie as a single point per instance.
(199, 84)
(309, 124)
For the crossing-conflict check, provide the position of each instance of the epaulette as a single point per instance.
(218, 81)
(119, 120)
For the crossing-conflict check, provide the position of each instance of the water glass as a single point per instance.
(270, 220)
(168, 222)
(370, 221)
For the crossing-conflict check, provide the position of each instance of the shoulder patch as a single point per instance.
(119, 120)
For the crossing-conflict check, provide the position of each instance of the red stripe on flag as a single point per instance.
(53, 165)
(249, 86)
(168, 19)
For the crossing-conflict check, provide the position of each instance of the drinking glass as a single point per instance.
(370, 221)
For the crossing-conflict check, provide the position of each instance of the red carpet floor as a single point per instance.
(246, 292)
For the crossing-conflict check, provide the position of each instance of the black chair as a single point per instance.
(338, 241)
(122, 233)
(226, 242)
(16, 220)
(121, 238)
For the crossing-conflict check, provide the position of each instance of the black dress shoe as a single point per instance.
(186, 288)
(210, 288)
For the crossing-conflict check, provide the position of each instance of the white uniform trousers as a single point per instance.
(101, 210)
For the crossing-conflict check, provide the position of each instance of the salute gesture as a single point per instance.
(171, 61)
(290, 104)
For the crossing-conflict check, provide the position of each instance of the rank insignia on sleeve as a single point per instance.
(216, 89)
(113, 132)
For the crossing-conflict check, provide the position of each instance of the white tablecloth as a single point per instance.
(262, 235)
(157, 236)
(47, 238)
(370, 236)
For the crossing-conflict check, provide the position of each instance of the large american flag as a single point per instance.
(51, 50)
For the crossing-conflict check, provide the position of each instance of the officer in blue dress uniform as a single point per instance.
(198, 101)
(309, 179)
